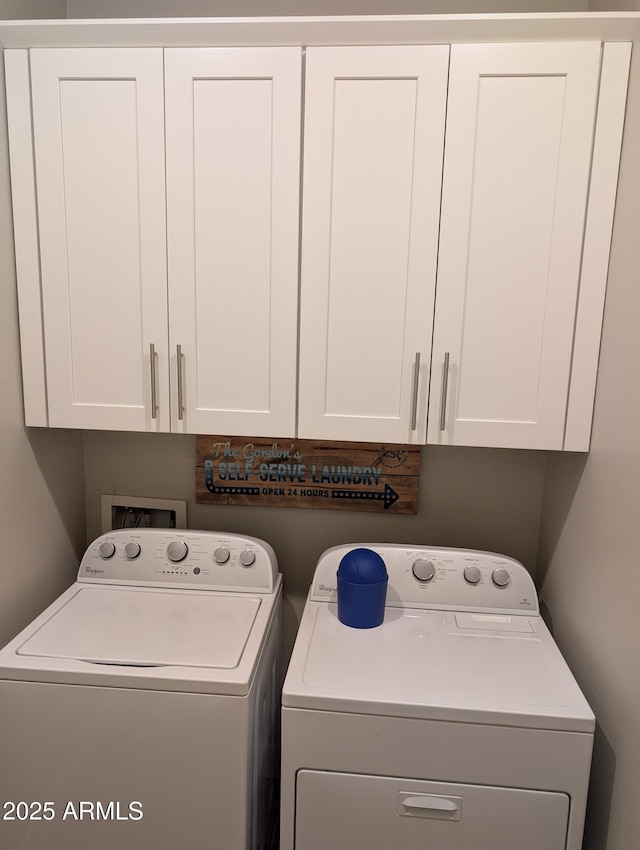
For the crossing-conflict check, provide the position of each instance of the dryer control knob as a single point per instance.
(472, 575)
(106, 550)
(247, 558)
(501, 578)
(423, 569)
(177, 551)
(221, 555)
(132, 550)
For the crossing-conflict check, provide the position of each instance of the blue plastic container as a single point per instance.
(362, 589)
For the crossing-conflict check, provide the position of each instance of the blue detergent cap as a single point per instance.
(362, 589)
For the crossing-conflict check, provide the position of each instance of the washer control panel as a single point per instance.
(439, 578)
(208, 560)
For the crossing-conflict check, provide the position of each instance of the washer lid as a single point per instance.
(437, 665)
(147, 628)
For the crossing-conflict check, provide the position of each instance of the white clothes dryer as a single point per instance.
(141, 709)
(455, 724)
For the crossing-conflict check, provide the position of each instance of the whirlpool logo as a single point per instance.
(325, 588)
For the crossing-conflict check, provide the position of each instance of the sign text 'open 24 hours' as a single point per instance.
(307, 474)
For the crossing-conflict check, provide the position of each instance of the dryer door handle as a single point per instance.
(430, 806)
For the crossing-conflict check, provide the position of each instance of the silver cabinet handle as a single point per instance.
(154, 396)
(179, 367)
(443, 394)
(414, 398)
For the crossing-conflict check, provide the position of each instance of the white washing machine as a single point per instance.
(455, 724)
(141, 709)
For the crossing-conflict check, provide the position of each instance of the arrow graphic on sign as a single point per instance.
(388, 495)
(228, 491)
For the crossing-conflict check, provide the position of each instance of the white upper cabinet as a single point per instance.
(518, 157)
(98, 127)
(168, 303)
(169, 280)
(373, 139)
(233, 195)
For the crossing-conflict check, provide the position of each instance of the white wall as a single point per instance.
(41, 472)
(589, 561)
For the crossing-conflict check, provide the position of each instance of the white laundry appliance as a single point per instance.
(141, 709)
(455, 724)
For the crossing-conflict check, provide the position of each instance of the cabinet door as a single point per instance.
(233, 164)
(520, 123)
(374, 125)
(98, 124)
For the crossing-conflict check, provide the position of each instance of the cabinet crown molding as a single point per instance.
(308, 31)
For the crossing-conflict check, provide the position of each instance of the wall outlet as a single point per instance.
(142, 512)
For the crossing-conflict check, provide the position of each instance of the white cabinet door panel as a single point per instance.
(233, 163)
(374, 122)
(520, 122)
(98, 119)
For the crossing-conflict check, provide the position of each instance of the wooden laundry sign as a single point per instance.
(307, 474)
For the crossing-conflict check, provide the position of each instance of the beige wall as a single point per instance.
(28, 9)
(476, 498)
(250, 8)
(616, 6)
(589, 561)
(41, 472)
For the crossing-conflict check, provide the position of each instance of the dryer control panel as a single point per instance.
(207, 560)
(440, 578)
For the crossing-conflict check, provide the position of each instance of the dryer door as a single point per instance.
(343, 811)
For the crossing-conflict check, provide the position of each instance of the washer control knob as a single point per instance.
(177, 551)
(247, 557)
(106, 550)
(472, 575)
(221, 555)
(132, 550)
(423, 569)
(501, 578)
